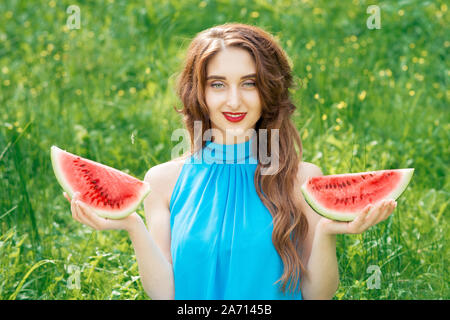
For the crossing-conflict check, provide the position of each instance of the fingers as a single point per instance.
(374, 214)
(84, 215)
(89, 218)
(357, 225)
(66, 196)
(73, 207)
(370, 216)
(96, 222)
(377, 213)
(388, 209)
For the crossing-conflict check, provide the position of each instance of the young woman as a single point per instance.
(220, 224)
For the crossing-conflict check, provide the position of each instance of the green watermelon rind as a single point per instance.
(102, 213)
(346, 217)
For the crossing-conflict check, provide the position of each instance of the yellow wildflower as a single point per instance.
(305, 134)
(341, 105)
(362, 95)
(418, 76)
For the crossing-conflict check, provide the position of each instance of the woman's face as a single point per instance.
(231, 88)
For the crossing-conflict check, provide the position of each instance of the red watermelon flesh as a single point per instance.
(110, 193)
(343, 196)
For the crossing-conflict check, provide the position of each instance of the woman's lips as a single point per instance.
(234, 117)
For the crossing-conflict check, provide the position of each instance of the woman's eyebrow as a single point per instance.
(252, 75)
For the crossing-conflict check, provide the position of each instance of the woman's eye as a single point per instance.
(221, 85)
(216, 85)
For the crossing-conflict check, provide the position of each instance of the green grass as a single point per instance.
(368, 100)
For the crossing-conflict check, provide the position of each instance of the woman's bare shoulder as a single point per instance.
(164, 176)
(307, 170)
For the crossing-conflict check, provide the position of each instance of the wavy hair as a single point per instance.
(273, 79)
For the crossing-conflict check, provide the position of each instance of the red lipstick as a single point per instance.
(234, 117)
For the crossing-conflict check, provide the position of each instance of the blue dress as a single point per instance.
(221, 232)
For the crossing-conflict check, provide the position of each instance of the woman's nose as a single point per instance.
(233, 99)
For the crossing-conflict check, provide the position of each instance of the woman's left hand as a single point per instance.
(370, 216)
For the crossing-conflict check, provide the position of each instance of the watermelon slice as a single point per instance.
(109, 192)
(343, 197)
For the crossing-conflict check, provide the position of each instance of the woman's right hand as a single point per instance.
(84, 215)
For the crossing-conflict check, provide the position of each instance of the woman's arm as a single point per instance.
(322, 274)
(319, 249)
(155, 269)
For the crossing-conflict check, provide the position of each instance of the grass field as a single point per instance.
(367, 99)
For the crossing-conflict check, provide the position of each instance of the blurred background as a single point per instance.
(367, 99)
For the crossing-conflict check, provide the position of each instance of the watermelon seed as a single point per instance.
(348, 182)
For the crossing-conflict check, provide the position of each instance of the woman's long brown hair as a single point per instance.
(273, 78)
